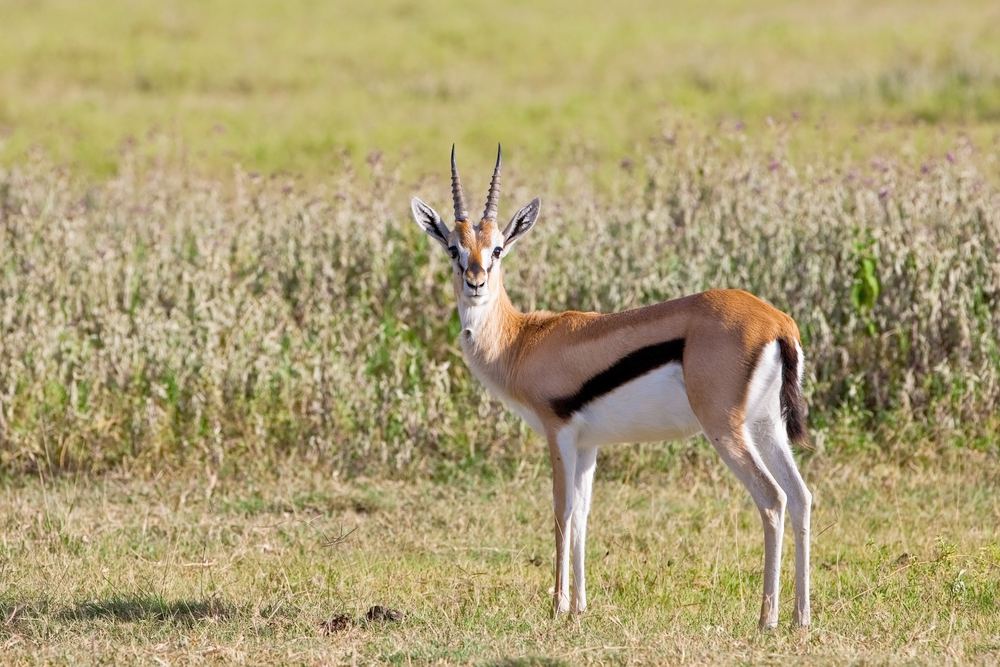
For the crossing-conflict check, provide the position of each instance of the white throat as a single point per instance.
(473, 318)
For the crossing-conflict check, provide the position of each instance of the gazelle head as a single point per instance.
(475, 249)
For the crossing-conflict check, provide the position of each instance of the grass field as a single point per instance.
(195, 569)
(231, 403)
(167, 317)
(292, 85)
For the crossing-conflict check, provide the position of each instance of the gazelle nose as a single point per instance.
(475, 277)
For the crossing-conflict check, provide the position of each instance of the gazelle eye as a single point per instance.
(497, 251)
(454, 252)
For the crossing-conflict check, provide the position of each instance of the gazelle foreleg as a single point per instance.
(738, 452)
(583, 485)
(563, 475)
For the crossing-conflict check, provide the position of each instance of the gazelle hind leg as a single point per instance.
(738, 452)
(583, 484)
(772, 441)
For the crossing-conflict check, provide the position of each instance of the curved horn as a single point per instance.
(491, 202)
(456, 190)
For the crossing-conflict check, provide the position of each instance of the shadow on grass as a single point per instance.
(14, 611)
(139, 608)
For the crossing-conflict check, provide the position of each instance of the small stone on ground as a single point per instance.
(337, 623)
(380, 613)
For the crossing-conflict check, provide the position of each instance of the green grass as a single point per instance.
(293, 85)
(186, 567)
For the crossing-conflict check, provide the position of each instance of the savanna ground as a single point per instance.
(197, 569)
(231, 406)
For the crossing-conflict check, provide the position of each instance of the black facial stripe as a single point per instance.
(626, 369)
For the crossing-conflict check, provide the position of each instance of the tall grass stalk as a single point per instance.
(162, 317)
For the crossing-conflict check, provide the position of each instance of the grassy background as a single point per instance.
(292, 85)
(163, 317)
(211, 376)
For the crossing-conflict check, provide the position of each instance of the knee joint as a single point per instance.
(774, 513)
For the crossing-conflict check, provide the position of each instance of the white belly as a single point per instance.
(651, 407)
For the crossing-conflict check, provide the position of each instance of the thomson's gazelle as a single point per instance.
(721, 362)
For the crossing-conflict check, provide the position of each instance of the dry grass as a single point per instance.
(162, 317)
(197, 569)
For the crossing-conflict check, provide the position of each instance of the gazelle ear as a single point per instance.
(430, 221)
(520, 224)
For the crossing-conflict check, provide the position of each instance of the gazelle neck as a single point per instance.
(491, 328)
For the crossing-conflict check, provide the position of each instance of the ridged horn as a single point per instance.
(461, 214)
(494, 198)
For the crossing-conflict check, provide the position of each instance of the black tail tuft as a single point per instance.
(792, 406)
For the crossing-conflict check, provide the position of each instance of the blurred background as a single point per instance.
(298, 84)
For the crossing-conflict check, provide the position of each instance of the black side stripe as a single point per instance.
(626, 369)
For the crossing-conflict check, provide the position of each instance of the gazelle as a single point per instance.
(722, 362)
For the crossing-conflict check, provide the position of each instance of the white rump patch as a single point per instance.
(764, 393)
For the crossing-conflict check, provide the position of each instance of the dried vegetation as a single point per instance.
(161, 317)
